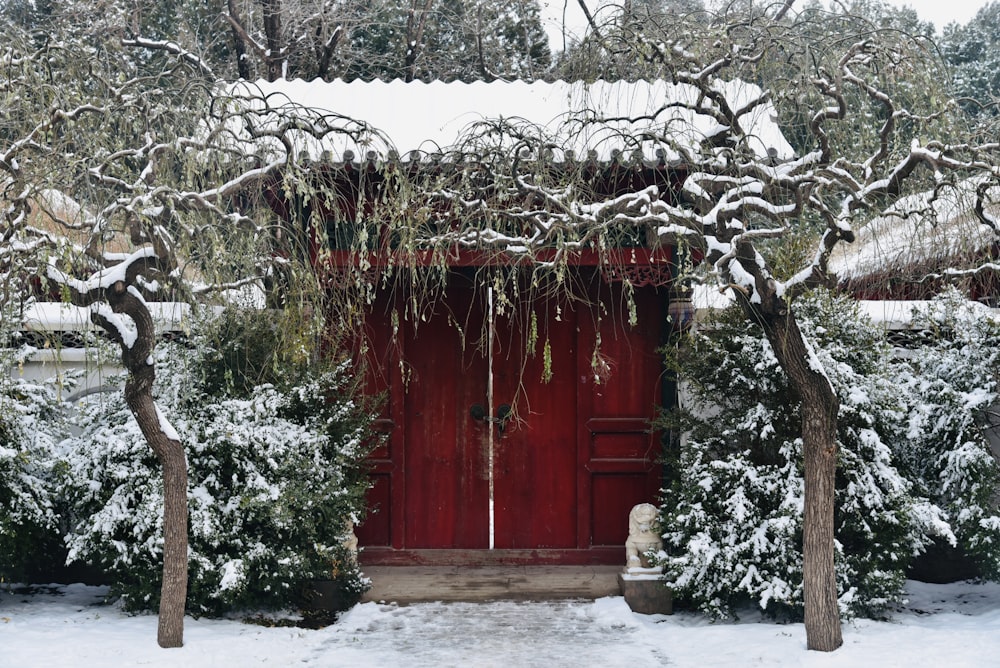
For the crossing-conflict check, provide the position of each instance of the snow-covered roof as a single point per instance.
(890, 314)
(416, 119)
(914, 234)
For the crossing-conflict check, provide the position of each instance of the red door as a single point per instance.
(551, 479)
(535, 456)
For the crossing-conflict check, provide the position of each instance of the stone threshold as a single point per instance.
(412, 584)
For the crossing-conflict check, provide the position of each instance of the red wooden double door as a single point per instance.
(516, 434)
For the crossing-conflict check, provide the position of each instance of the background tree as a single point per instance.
(460, 40)
(408, 39)
(972, 52)
(271, 39)
(608, 50)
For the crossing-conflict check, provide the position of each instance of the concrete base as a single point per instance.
(411, 584)
(647, 596)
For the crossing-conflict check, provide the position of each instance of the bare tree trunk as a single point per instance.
(414, 37)
(272, 31)
(819, 443)
(780, 14)
(170, 452)
(239, 44)
(326, 54)
(590, 20)
(137, 359)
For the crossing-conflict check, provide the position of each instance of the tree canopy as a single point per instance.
(411, 39)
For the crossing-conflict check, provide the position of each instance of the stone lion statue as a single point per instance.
(351, 541)
(642, 535)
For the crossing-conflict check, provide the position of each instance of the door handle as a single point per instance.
(504, 413)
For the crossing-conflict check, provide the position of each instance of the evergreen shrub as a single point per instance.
(732, 520)
(952, 385)
(275, 444)
(31, 423)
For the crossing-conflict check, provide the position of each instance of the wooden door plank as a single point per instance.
(620, 391)
(536, 496)
(375, 350)
(447, 491)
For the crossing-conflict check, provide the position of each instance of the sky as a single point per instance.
(943, 12)
(939, 12)
(955, 625)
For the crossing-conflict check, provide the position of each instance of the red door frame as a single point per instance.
(615, 452)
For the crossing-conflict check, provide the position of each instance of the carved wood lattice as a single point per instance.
(639, 276)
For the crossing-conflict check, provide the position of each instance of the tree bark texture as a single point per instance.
(414, 37)
(137, 360)
(239, 45)
(275, 58)
(819, 443)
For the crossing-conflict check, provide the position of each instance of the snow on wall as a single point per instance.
(55, 317)
(59, 316)
(889, 314)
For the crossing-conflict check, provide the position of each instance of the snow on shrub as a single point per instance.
(30, 424)
(733, 519)
(952, 382)
(275, 473)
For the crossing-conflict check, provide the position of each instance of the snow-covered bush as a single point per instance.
(275, 473)
(952, 385)
(733, 519)
(30, 424)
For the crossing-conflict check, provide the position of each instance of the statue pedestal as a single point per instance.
(644, 591)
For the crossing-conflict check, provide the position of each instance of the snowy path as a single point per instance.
(957, 626)
(489, 635)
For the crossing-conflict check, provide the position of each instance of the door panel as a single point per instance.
(378, 354)
(535, 486)
(619, 390)
(446, 473)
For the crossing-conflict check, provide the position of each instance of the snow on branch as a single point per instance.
(120, 326)
(732, 193)
(91, 289)
(175, 49)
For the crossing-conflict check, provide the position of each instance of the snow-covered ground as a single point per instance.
(951, 626)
